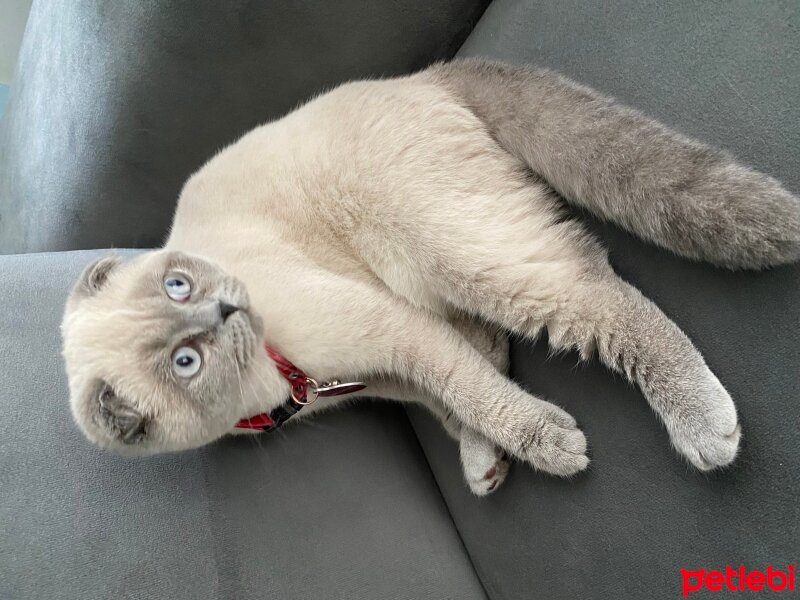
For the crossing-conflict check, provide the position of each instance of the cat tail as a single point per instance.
(629, 169)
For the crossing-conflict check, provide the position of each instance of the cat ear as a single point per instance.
(95, 276)
(120, 417)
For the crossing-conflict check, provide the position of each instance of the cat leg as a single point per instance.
(634, 337)
(485, 466)
(431, 355)
(628, 168)
(569, 288)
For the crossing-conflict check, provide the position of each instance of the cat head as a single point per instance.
(163, 352)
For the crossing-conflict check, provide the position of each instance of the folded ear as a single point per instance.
(95, 276)
(119, 417)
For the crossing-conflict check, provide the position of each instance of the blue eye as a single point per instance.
(186, 361)
(178, 287)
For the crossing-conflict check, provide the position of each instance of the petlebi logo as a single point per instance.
(738, 579)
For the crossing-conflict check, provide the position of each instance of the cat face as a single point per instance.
(162, 353)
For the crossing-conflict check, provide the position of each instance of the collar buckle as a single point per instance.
(309, 385)
(305, 391)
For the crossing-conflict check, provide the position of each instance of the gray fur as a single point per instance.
(120, 416)
(629, 169)
(95, 275)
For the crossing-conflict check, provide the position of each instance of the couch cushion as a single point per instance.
(728, 73)
(115, 104)
(344, 507)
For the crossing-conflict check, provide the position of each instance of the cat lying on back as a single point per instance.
(392, 231)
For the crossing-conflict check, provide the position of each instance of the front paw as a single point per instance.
(555, 445)
(706, 430)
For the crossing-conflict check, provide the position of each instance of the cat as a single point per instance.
(396, 230)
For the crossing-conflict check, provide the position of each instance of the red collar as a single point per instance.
(301, 385)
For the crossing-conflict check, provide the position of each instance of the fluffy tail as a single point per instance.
(629, 169)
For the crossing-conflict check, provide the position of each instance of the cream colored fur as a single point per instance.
(379, 233)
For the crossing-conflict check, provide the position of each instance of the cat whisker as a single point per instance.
(241, 390)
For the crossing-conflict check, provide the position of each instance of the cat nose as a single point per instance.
(226, 310)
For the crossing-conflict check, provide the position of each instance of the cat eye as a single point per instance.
(186, 362)
(178, 287)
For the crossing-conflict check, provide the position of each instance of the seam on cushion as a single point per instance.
(447, 506)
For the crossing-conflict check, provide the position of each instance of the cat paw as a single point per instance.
(556, 445)
(485, 466)
(706, 429)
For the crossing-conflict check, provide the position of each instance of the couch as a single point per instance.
(114, 105)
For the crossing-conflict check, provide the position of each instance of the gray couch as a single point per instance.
(114, 104)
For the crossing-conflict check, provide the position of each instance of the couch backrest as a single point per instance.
(115, 104)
